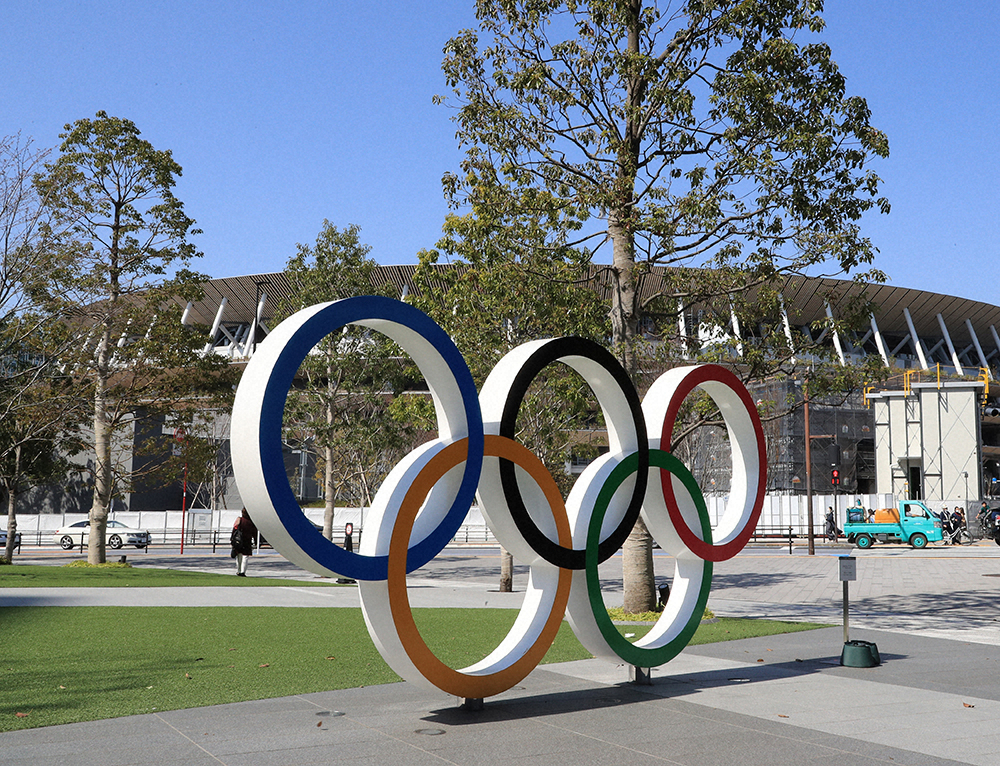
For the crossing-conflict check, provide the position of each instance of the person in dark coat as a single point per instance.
(832, 533)
(243, 538)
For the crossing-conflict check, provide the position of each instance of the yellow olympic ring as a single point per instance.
(496, 673)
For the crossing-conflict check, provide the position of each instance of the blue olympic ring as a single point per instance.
(407, 326)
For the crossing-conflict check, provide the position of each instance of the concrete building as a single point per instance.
(928, 441)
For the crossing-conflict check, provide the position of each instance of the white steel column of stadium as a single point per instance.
(996, 338)
(736, 330)
(979, 348)
(788, 327)
(215, 326)
(682, 330)
(879, 342)
(951, 346)
(916, 340)
(836, 336)
(252, 337)
(187, 314)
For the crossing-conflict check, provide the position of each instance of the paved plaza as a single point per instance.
(783, 699)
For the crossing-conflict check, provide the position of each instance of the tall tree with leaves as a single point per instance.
(37, 410)
(689, 134)
(498, 295)
(123, 236)
(343, 410)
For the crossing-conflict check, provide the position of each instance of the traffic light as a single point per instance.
(835, 476)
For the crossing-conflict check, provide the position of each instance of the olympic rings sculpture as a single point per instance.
(425, 498)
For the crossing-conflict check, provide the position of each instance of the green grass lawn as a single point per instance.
(118, 576)
(66, 664)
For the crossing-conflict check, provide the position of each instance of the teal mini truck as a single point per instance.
(911, 522)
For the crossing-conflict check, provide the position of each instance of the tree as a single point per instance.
(123, 237)
(499, 296)
(343, 409)
(713, 137)
(37, 435)
(25, 259)
(37, 411)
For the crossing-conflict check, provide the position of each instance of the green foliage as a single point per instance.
(498, 296)
(686, 134)
(618, 613)
(345, 406)
(717, 139)
(123, 242)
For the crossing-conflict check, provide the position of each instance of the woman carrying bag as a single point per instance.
(242, 539)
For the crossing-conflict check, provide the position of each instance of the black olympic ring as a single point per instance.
(565, 350)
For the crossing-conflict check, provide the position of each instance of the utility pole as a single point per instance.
(809, 480)
(809, 486)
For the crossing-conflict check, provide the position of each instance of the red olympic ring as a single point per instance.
(749, 465)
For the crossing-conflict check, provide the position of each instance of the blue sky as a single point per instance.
(283, 114)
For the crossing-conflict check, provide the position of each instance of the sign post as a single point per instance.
(848, 572)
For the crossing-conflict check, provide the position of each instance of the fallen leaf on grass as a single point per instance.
(231, 650)
(331, 657)
(62, 687)
(966, 704)
(266, 665)
(187, 675)
(22, 715)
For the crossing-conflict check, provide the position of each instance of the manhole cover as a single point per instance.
(430, 732)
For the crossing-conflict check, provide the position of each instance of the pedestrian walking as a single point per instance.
(243, 539)
(832, 532)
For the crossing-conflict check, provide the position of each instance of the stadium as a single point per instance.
(942, 446)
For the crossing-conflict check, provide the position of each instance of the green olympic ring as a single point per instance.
(634, 654)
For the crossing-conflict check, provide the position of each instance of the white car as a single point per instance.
(118, 534)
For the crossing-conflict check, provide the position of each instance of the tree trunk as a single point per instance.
(96, 550)
(637, 570)
(329, 492)
(8, 553)
(637, 553)
(506, 571)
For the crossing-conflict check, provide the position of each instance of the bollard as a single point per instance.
(789, 540)
(664, 591)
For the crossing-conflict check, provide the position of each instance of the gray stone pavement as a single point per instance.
(782, 699)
